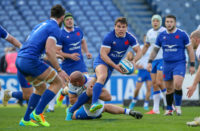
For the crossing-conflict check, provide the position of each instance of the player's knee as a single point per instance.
(102, 78)
(178, 85)
(89, 91)
(51, 76)
(26, 96)
(170, 90)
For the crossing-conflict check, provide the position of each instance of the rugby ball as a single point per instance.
(126, 66)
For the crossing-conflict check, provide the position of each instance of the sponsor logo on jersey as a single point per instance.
(117, 54)
(75, 44)
(170, 48)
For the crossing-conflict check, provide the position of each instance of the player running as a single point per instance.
(173, 41)
(81, 84)
(143, 76)
(114, 47)
(43, 38)
(157, 64)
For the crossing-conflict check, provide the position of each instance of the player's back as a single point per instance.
(151, 39)
(36, 41)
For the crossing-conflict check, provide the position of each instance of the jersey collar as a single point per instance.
(68, 30)
(54, 20)
(172, 32)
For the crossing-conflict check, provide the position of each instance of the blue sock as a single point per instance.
(47, 96)
(67, 100)
(33, 101)
(97, 89)
(18, 95)
(178, 97)
(82, 99)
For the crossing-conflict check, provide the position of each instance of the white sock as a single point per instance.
(134, 100)
(164, 97)
(146, 104)
(156, 102)
(52, 103)
(126, 111)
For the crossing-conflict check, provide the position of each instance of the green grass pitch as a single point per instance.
(11, 115)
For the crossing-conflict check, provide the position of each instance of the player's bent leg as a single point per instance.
(27, 92)
(102, 73)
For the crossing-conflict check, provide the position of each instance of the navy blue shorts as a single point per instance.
(173, 68)
(157, 65)
(31, 67)
(143, 75)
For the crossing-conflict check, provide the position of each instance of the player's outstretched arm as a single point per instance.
(13, 41)
(85, 49)
(193, 87)
(145, 48)
(138, 53)
(191, 58)
(51, 55)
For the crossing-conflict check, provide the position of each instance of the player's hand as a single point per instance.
(149, 67)
(75, 56)
(89, 56)
(192, 70)
(60, 57)
(118, 68)
(191, 90)
(64, 76)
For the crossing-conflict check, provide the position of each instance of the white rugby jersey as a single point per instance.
(198, 53)
(151, 39)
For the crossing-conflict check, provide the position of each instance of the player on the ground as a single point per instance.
(70, 47)
(43, 38)
(157, 64)
(81, 84)
(27, 91)
(143, 76)
(114, 47)
(173, 41)
(195, 40)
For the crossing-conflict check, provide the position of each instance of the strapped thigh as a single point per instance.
(51, 76)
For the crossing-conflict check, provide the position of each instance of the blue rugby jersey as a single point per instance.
(118, 45)
(173, 45)
(35, 44)
(71, 43)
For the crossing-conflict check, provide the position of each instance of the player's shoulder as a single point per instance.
(130, 35)
(161, 29)
(77, 28)
(109, 36)
(180, 31)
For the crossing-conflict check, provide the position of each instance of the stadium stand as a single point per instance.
(96, 17)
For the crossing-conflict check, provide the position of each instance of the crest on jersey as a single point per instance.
(67, 36)
(177, 36)
(78, 33)
(114, 43)
(126, 42)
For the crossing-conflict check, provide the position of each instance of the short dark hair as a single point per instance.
(171, 16)
(57, 11)
(121, 20)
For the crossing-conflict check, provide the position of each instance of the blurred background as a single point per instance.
(95, 18)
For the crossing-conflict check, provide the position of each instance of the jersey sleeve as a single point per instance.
(158, 41)
(55, 33)
(3, 33)
(186, 39)
(133, 41)
(60, 42)
(107, 41)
